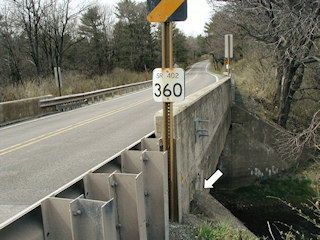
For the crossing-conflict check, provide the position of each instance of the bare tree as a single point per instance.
(292, 27)
(57, 29)
(9, 54)
(30, 14)
(291, 146)
(108, 22)
(218, 26)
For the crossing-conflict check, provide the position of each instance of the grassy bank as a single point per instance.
(71, 83)
(220, 231)
(256, 81)
(290, 202)
(296, 185)
(287, 188)
(203, 228)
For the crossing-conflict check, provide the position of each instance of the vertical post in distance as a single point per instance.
(228, 51)
(229, 69)
(57, 63)
(57, 75)
(59, 81)
(168, 141)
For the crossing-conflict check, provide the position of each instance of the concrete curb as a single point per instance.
(214, 210)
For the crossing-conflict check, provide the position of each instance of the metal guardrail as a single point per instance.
(93, 95)
(124, 197)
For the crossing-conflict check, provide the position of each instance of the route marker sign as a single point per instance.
(168, 84)
(167, 10)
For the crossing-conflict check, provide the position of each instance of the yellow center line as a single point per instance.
(73, 126)
(30, 140)
(192, 78)
(68, 128)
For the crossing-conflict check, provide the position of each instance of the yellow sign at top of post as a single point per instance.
(167, 10)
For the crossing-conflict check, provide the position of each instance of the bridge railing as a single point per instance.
(69, 100)
(124, 197)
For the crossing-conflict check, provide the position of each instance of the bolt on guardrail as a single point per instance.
(125, 197)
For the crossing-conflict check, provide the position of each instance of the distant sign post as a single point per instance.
(58, 77)
(168, 88)
(228, 50)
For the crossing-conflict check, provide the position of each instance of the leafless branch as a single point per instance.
(270, 231)
(306, 98)
(291, 145)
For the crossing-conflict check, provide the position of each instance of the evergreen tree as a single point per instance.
(91, 30)
(180, 47)
(133, 42)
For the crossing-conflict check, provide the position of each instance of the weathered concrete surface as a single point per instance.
(20, 109)
(216, 212)
(250, 151)
(199, 159)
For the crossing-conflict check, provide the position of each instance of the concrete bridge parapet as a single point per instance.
(21, 109)
(201, 123)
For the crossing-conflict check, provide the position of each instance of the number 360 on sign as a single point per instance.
(168, 84)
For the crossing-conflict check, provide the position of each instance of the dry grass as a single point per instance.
(71, 83)
(255, 76)
(256, 80)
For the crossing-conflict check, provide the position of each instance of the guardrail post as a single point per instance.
(96, 186)
(111, 206)
(151, 144)
(67, 219)
(128, 190)
(153, 166)
(93, 219)
(53, 211)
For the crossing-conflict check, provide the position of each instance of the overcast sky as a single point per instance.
(199, 13)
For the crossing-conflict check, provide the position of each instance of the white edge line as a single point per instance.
(64, 187)
(192, 67)
(217, 78)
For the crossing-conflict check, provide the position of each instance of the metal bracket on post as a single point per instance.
(200, 132)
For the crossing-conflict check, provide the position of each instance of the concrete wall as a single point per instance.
(250, 152)
(199, 159)
(20, 109)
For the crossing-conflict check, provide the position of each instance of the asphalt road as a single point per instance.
(39, 156)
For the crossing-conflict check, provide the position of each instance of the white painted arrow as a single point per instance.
(209, 183)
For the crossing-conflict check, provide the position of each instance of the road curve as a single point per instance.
(39, 156)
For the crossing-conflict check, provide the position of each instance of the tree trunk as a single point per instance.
(13, 61)
(291, 82)
(279, 74)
